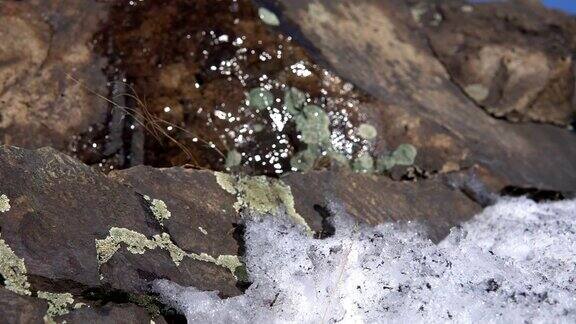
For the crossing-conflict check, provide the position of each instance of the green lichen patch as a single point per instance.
(233, 158)
(138, 243)
(226, 182)
(262, 195)
(404, 155)
(313, 125)
(159, 209)
(4, 204)
(294, 100)
(260, 98)
(58, 304)
(268, 17)
(363, 163)
(13, 270)
(367, 131)
(304, 160)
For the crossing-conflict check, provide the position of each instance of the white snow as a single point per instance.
(513, 263)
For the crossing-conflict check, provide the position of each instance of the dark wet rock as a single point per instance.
(377, 199)
(110, 313)
(196, 202)
(41, 43)
(60, 207)
(16, 309)
(380, 48)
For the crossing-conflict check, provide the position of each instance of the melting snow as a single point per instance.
(513, 263)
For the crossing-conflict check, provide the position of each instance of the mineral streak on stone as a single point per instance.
(261, 195)
(13, 270)
(4, 204)
(137, 243)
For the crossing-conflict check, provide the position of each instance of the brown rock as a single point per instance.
(17, 309)
(60, 207)
(110, 313)
(514, 60)
(41, 43)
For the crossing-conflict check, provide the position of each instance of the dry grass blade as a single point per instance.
(153, 125)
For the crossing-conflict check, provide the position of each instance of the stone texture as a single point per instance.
(110, 313)
(60, 207)
(42, 42)
(15, 309)
(513, 59)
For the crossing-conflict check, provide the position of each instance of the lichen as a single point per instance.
(164, 242)
(159, 209)
(262, 195)
(260, 98)
(304, 160)
(4, 204)
(233, 158)
(268, 17)
(135, 242)
(58, 303)
(294, 100)
(367, 131)
(138, 243)
(226, 182)
(13, 270)
(313, 125)
(404, 155)
(363, 163)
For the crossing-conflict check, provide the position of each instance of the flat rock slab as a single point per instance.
(59, 207)
(379, 47)
(42, 43)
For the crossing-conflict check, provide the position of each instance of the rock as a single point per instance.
(16, 309)
(513, 59)
(110, 313)
(382, 50)
(196, 202)
(41, 43)
(377, 199)
(59, 207)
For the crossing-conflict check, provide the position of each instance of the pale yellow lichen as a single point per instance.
(13, 270)
(262, 195)
(165, 242)
(135, 242)
(4, 204)
(159, 209)
(138, 243)
(226, 181)
(58, 304)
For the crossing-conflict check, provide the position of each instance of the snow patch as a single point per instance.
(514, 262)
